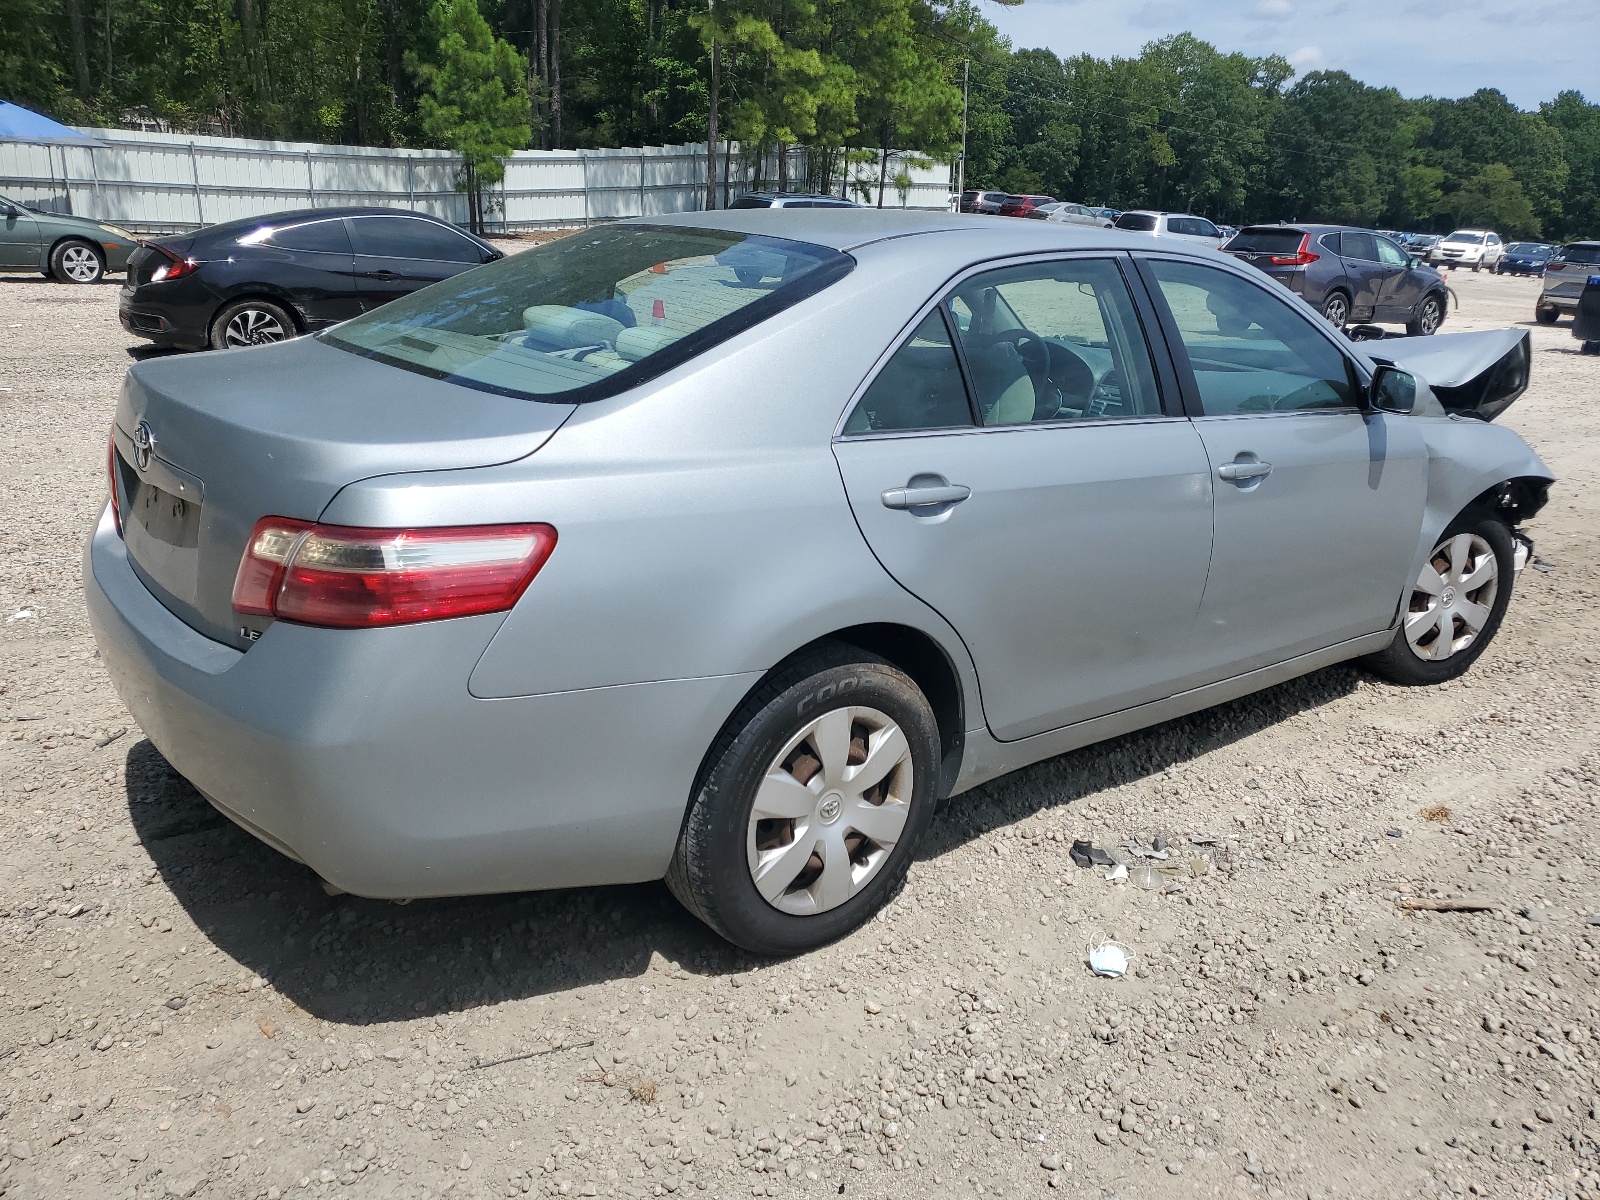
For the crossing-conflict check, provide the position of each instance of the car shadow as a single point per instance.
(357, 961)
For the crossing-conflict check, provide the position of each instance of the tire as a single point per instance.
(77, 261)
(1429, 316)
(250, 323)
(1547, 314)
(1476, 267)
(1475, 542)
(1336, 309)
(770, 751)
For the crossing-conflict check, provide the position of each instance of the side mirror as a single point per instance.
(1415, 262)
(1393, 391)
(10, 210)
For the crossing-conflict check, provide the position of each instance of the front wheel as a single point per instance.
(814, 801)
(1430, 315)
(1455, 606)
(77, 261)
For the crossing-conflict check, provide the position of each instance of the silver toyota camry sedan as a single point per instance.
(722, 548)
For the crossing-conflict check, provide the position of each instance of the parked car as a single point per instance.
(1075, 214)
(1023, 206)
(495, 588)
(988, 203)
(1184, 226)
(265, 279)
(69, 249)
(1419, 245)
(1475, 248)
(1525, 258)
(1348, 275)
(1110, 215)
(1564, 278)
(791, 200)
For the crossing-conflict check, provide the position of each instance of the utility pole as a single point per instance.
(961, 163)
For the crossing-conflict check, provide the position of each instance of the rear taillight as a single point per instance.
(351, 578)
(173, 268)
(111, 478)
(1555, 266)
(1303, 257)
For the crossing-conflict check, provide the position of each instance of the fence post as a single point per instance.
(311, 180)
(411, 186)
(199, 205)
(584, 159)
(641, 181)
(99, 201)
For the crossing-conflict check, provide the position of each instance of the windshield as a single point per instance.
(594, 313)
(1138, 222)
(1532, 249)
(1472, 239)
(1587, 253)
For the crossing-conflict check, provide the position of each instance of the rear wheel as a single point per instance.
(1547, 314)
(250, 323)
(1455, 606)
(77, 261)
(1428, 318)
(813, 804)
(1336, 309)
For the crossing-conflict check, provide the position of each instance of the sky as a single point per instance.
(1529, 51)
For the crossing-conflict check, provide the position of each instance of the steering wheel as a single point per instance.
(1034, 352)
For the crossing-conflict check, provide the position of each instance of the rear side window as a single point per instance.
(751, 202)
(1269, 241)
(594, 313)
(1250, 352)
(411, 237)
(919, 388)
(322, 237)
(1137, 222)
(1360, 246)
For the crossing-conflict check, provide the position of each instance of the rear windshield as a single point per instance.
(1267, 241)
(594, 313)
(1138, 222)
(1472, 239)
(1588, 253)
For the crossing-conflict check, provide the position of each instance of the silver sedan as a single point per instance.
(722, 548)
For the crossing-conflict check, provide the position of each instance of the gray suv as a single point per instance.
(1564, 279)
(1348, 275)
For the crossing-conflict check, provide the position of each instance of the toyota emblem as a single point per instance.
(144, 444)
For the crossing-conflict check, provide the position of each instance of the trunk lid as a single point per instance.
(209, 443)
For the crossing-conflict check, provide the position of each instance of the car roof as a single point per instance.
(298, 215)
(850, 229)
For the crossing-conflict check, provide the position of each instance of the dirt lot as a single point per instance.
(183, 1012)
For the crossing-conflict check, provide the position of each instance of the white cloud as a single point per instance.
(1273, 9)
(1307, 58)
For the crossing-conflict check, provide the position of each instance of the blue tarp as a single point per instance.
(18, 124)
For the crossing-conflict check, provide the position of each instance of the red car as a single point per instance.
(1023, 206)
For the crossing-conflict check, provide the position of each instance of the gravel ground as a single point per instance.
(183, 1012)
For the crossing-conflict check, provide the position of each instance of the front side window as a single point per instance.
(412, 237)
(919, 388)
(594, 313)
(1389, 254)
(1056, 341)
(1249, 351)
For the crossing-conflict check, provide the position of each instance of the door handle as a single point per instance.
(1244, 470)
(385, 275)
(925, 496)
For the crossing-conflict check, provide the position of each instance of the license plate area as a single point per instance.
(161, 511)
(169, 519)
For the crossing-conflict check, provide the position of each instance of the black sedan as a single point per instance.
(1525, 258)
(264, 279)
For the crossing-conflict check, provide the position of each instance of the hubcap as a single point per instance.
(1335, 312)
(1453, 597)
(253, 327)
(80, 264)
(829, 811)
(1430, 317)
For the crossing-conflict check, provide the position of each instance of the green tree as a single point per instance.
(1494, 198)
(475, 98)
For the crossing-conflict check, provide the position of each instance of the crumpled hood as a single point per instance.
(1477, 374)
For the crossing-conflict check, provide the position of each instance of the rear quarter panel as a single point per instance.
(703, 529)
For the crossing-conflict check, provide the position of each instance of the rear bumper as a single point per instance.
(1556, 300)
(361, 753)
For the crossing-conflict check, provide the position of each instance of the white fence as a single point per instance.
(162, 182)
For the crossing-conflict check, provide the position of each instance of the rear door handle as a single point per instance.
(925, 496)
(1244, 470)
